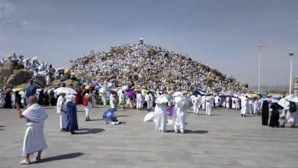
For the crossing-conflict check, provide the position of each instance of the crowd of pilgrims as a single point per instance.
(147, 60)
(203, 103)
(38, 67)
(134, 54)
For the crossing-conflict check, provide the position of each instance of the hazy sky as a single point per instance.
(220, 33)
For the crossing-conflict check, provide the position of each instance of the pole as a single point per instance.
(291, 69)
(259, 74)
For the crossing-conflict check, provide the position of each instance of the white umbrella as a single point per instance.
(164, 98)
(292, 97)
(178, 93)
(274, 101)
(183, 102)
(102, 90)
(149, 117)
(110, 84)
(266, 99)
(34, 58)
(125, 88)
(119, 91)
(66, 90)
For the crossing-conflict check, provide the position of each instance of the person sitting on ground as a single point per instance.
(112, 119)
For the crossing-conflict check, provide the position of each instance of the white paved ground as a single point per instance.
(223, 140)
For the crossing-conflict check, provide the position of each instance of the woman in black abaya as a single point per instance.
(265, 113)
(275, 115)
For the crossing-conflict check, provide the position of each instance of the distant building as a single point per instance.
(296, 85)
(141, 41)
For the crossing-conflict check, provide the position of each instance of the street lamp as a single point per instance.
(291, 69)
(260, 46)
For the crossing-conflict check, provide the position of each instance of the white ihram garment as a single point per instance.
(160, 115)
(179, 118)
(34, 139)
(139, 101)
(61, 109)
(196, 104)
(244, 106)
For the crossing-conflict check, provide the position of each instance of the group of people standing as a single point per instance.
(282, 112)
(67, 109)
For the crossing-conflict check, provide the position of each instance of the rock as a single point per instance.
(18, 77)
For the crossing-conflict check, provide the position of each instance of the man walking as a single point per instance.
(34, 140)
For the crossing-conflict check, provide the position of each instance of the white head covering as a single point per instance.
(70, 98)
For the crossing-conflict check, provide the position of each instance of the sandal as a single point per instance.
(25, 162)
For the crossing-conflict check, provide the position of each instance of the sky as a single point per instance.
(220, 33)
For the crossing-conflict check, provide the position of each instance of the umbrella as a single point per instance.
(262, 95)
(31, 90)
(7, 91)
(92, 85)
(144, 92)
(108, 113)
(153, 91)
(34, 58)
(266, 99)
(130, 94)
(87, 87)
(97, 87)
(149, 117)
(274, 101)
(66, 90)
(110, 84)
(113, 92)
(183, 102)
(102, 90)
(276, 96)
(178, 93)
(255, 95)
(170, 111)
(137, 90)
(164, 98)
(18, 89)
(125, 88)
(119, 91)
(292, 97)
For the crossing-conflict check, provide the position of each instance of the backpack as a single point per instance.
(293, 107)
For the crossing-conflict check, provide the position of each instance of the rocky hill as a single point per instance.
(144, 64)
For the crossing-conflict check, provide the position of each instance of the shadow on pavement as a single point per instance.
(122, 115)
(96, 119)
(195, 132)
(191, 131)
(60, 157)
(89, 131)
